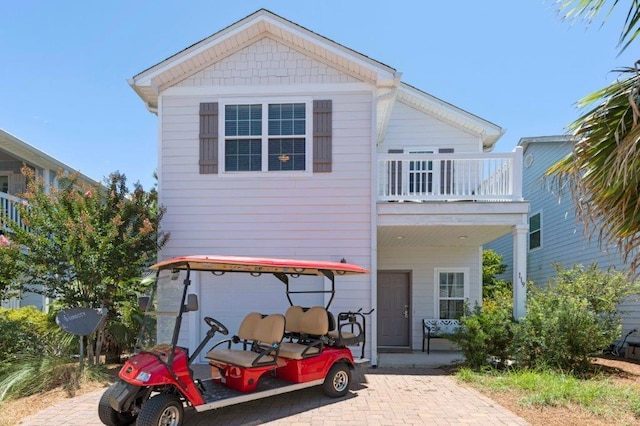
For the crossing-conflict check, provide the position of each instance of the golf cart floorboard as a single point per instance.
(217, 395)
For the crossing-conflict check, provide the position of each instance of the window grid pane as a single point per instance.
(287, 154)
(243, 120)
(287, 119)
(243, 155)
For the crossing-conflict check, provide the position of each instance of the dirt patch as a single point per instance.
(11, 412)
(617, 370)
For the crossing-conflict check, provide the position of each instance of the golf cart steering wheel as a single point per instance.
(213, 323)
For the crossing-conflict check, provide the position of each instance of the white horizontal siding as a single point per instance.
(409, 127)
(306, 216)
(422, 261)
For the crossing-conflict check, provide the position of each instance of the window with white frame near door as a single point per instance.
(452, 290)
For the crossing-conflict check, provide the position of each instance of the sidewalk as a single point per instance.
(381, 396)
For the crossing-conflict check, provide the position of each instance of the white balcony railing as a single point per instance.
(8, 210)
(450, 177)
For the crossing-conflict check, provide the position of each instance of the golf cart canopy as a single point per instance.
(258, 265)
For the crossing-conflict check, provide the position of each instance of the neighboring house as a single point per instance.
(276, 141)
(14, 154)
(555, 234)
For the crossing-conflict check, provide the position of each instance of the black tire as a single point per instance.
(164, 409)
(108, 415)
(337, 382)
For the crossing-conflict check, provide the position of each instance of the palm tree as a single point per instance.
(603, 169)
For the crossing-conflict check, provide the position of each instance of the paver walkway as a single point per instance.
(382, 396)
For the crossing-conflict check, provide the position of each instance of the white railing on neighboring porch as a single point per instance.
(450, 177)
(8, 209)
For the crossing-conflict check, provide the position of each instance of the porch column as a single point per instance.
(520, 233)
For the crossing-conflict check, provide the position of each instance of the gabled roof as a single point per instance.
(486, 130)
(263, 23)
(525, 142)
(19, 148)
(260, 24)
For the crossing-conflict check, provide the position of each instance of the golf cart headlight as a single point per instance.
(143, 377)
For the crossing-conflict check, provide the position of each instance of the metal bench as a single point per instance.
(437, 329)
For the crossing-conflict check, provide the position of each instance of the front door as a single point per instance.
(393, 310)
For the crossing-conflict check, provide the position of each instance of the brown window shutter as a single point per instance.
(322, 136)
(446, 172)
(208, 137)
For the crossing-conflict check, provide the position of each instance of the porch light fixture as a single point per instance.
(400, 237)
(462, 237)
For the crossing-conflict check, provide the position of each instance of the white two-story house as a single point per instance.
(276, 141)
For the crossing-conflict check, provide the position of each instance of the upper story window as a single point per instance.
(265, 137)
(535, 231)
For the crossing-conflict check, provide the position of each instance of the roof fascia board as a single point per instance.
(40, 159)
(526, 141)
(266, 18)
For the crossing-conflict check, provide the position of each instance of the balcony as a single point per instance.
(8, 209)
(489, 177)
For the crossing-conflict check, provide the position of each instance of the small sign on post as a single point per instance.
(81, 322)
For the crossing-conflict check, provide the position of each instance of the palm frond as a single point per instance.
(589, 10)
(602, 169)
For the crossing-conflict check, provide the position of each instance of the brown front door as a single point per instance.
(393, 309)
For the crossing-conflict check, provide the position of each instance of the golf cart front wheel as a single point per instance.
(164, 409)
(337, 382)
(108, 415)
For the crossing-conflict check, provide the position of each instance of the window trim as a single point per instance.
(265, 102)
(436, 287)
(539, 230)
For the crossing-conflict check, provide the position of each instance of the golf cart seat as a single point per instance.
(306, 330)
(260, 337)
(349, 331)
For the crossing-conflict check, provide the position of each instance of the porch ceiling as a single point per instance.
(450, 235)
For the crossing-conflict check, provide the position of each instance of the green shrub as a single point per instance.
(27, 331)
(486, 332)
(571, 318)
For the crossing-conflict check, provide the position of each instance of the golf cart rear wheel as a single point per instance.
(337, 382)
(109, 416)
(164, 409)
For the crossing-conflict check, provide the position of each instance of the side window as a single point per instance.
(4, 183)
(265, 137)
(535, 231)
(261, 136)
(452, 292)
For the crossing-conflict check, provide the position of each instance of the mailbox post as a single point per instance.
(81, 322)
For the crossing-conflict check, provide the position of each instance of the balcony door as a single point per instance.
(421, 176)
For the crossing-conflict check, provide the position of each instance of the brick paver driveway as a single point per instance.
(383, 396)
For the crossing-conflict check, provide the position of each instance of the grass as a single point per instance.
(598, 395)
(31, 375)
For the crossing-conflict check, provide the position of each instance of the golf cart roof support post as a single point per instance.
(285, 279)
(176, 330)
(329, 274)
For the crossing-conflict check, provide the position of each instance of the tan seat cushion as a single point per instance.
(295, 350)
(345, 334)
(238, 357)
(266, 331)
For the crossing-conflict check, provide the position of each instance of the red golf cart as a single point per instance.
(271, 353)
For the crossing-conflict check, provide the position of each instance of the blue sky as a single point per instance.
(65, 64)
